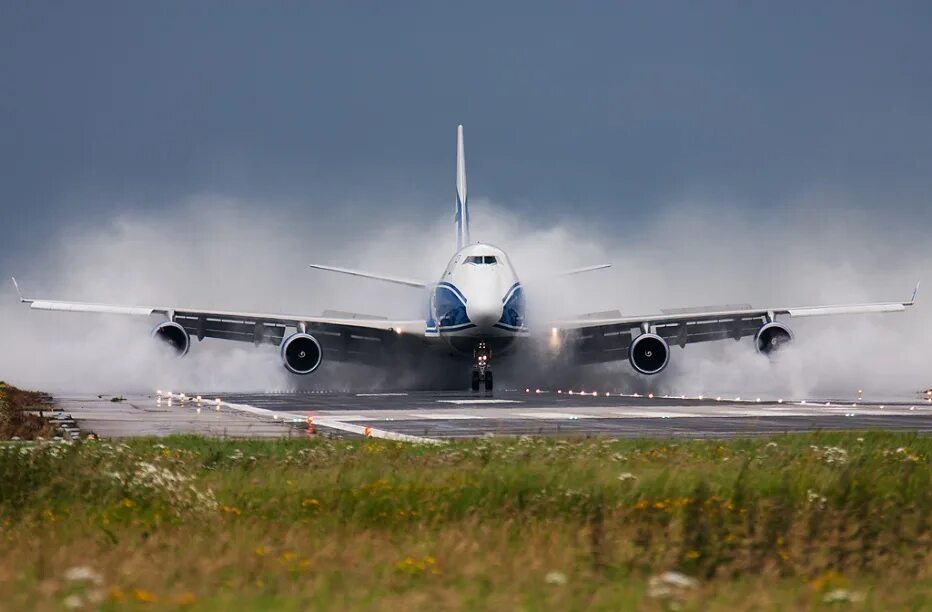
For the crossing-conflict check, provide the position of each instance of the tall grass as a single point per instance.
(784, 522)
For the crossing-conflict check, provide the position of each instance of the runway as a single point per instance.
(432, 416)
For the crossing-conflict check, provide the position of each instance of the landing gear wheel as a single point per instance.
(488, 381)
(475, 381)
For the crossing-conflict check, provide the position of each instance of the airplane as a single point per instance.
(476, 310)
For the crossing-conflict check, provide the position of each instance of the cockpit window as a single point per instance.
(480, 260)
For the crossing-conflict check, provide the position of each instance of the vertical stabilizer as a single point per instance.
(462, 212)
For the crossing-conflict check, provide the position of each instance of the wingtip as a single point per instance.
(915, 297)
(18, 292)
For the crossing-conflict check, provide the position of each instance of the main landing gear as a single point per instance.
(481, 372)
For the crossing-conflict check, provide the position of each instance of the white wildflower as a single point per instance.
(626, 476)
(73, 602)
(83, 573)
(842, 596)
(815, 499)
(771, 445)
(670, 585)
(831, 455)
(556, 578)
(676, 579)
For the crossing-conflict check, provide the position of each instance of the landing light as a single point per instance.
(650, 396)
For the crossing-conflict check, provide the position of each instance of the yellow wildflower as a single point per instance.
(143, 596)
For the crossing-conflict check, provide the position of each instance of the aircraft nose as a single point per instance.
(484, 313)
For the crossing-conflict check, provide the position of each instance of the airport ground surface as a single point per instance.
(413, 416)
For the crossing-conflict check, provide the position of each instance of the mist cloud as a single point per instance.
(215, 252)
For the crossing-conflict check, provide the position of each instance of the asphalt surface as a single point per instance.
(436, 415)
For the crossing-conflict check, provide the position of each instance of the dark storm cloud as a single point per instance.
(606, 109)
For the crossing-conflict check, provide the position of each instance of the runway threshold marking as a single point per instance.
(337, 424)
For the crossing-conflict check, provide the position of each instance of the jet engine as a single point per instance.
(649, 353)
(174, 335)
(301, 353)
(771, 336)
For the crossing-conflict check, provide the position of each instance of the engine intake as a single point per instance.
(771, 336)
(649, 353)
(301, 353)
(174, 335)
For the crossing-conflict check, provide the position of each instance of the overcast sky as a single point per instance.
(605, 111)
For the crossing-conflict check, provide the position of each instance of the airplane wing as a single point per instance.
(343, 338)
(597, 340)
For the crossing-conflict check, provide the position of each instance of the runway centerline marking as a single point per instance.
(445, 417)
(461, 402)
(658, 414)
(381, 395)
(563, 416)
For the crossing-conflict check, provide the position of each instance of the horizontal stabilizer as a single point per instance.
(586, 269)
(388, 279)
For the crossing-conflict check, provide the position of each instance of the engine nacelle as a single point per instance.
(649, 353)
(174, 335)
(301, 353)
(771, 336)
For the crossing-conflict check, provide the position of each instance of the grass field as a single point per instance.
(807, 521)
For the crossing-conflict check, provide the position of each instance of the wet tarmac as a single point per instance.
(414, 416)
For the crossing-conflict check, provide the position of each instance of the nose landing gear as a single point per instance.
(481, 372)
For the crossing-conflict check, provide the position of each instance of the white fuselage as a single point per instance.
(479, 298)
